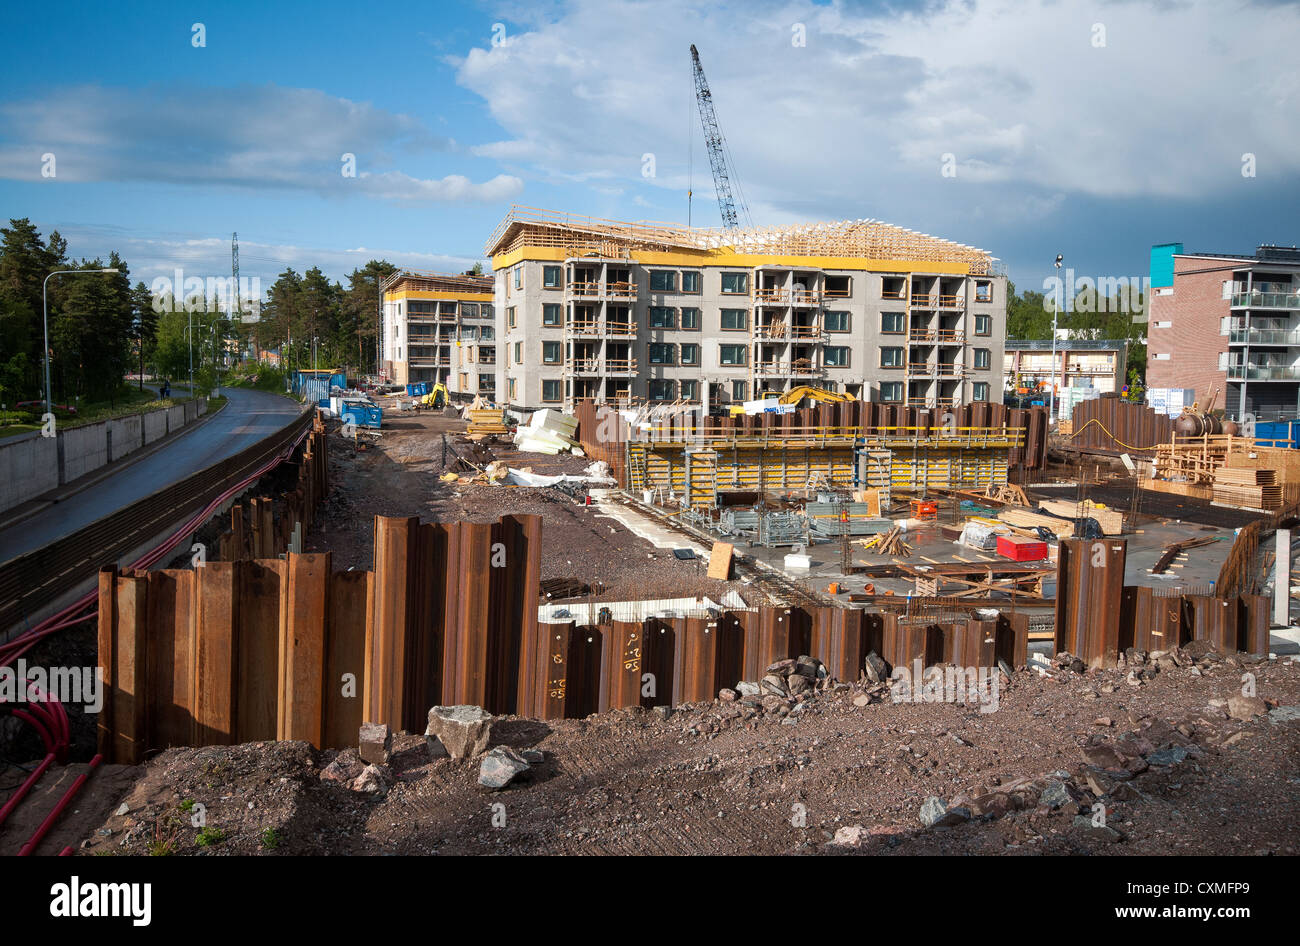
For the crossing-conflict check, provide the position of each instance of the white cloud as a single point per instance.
(263, 137)
(859, 118)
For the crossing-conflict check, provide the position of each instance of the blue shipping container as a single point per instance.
(1279, 433)
(362, 414)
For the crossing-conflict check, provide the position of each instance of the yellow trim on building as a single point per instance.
(430, 294)
(741, 260)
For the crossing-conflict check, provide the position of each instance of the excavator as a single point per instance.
(795, 396)
(436, 399)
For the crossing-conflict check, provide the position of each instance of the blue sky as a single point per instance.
(1090, 129)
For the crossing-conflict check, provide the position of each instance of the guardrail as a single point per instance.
(38, 577)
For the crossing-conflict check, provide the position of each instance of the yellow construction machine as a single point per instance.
(436, 399)
(795, 396)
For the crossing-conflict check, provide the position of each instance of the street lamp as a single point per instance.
(1051, 412)
(45, 318)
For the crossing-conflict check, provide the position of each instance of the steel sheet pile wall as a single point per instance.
(1098, 617)
(256, 531)
(230, 652)
(1111, 425)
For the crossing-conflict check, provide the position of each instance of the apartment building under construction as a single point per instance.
(592, 308)
(438, 327)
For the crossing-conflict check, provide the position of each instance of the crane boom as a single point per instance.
(713, 140)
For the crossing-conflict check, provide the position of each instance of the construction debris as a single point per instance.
(548, 432)
(890, 543)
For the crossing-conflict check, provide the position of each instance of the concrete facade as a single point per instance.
(1230, 325)
(617, 327)
(437, 327)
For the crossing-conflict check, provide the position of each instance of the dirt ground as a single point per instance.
(399, 476)
(1179, 775)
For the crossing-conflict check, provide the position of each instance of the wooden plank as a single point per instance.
(720, 560)
(1111, 522)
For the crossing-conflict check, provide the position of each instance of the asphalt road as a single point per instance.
(248, 417)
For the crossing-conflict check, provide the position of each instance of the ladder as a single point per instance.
(702, 479)
(638, 477)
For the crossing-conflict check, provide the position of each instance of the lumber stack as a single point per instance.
(1254, 489)
(1111, 522)
(890, 543)
(1025, 519)
(487, 421)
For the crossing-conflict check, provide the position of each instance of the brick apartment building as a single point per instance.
(1227, 323)
(601, 309)
(437, 327)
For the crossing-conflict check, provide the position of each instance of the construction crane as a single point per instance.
(717, 146)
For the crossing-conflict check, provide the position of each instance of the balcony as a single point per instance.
(774, 329)
(1264, 336)
(951, 302)
(950, 336)
(806, 297)
(620, 366)
(585, 328)
(919, 335)
(584, 290)
(582, 365)
(771, 297)
(621, 290)
(922, 301)
(1264, 372)
(1266, 300)
(619, 329)
(767, 368)
(804, 367)
(807, 332)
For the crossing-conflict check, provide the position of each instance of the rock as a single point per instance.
(1197, 649)
(799, 683)
(746, 689)
(1246, 707)
(463, 730)
(375, 743)
(934, 814)
(1057, 794)
(1133, 679)
(1103, 757)
(500, 767)
(663, 712)
(807, 667)
(992, 804)
(122, 809)
(1171, 756)
(773, 684)
(1103, 721)
(782, 667)
(850, 836)
(344, 769)
(877, 670)
(436, 749)
(1099, 783)
(1284, 714)
(1098, 832)
(773, 703)
(726, 695)
(1004, 667)
(862, 699)
(534, 756)
(373, 780)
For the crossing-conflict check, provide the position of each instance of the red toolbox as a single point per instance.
(1020, 549)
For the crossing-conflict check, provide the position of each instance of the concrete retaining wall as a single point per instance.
(31, 464)
(155, 425)
(124, 435)
(83, 449)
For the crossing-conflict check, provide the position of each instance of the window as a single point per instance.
(469, 309)
(837, 321)
(550, 389)
(469, 333)
(487, 311)
(661, 317)
(510, 388)
(738, 390)
(984, 292)
(983, 325)
(659, 389)
(663, 280)
(837, 356)
(690, 390)
(552, 277)
(550, 353)
(551, 313)
(519, 276)
(519, 353)
(735, 320)
(731, 354)
(510, 317)
(690, 283)
(663, 354)
(891, 323)
(690, 354)
(982, 358)
(891, 390)
(735, 283)
(980, 391)
(891, 357)
(487, 333)
(691, 319)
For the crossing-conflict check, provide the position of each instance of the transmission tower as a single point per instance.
(234, 275)
(717, 146)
